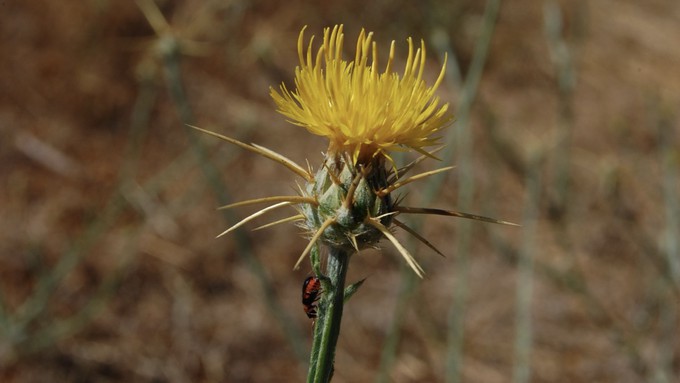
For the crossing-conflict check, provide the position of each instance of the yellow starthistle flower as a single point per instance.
(365, 114)
(360, 109)
(347, 204)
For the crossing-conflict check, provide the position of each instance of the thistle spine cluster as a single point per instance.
(348, 201)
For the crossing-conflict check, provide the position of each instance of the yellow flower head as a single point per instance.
(347, 204)
(363, 112)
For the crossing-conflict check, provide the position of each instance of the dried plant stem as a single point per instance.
(463, 136)
(408, 283)
(456, 315)
(669, 163)
(525, 278)
(669, 314)
(566, 81)
(327, 327)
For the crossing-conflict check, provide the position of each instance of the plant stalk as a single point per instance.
(327, 328)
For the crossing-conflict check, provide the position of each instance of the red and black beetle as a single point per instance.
(310, 294)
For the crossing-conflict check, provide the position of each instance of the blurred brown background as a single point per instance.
(109, 270)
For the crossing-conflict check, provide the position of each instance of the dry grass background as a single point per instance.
(109, 270)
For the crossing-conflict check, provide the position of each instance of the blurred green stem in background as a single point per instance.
(670, 157)
(464, 146)
(560, 55)
(525, 277)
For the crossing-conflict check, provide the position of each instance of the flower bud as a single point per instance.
(347, 196)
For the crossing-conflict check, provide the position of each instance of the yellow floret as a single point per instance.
(363, 112)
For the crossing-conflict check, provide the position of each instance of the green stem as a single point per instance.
(327, 328)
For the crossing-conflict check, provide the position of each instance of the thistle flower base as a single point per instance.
(347, 198)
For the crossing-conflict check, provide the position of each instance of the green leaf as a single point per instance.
(351, 289)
